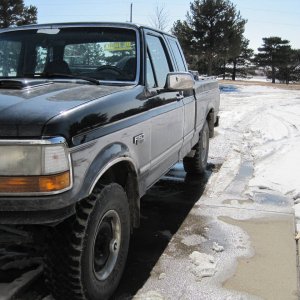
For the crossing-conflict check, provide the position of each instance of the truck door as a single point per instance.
(188, 99)
(166, 106)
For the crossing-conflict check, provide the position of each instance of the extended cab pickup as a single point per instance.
(92, 115)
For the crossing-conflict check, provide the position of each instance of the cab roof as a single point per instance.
(84, 24)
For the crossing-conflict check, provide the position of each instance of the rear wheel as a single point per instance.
(196, 161)
(87, 255)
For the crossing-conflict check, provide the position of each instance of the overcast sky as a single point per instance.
(265, 17)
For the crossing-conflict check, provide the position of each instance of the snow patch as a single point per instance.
(280, 172)
(217, 248)
(266, 127)
(204, 265)
(162, 276)
(151, 295)
(193, 240)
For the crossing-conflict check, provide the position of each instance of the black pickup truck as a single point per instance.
(92, 115)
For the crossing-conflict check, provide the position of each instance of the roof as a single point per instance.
(83, 24)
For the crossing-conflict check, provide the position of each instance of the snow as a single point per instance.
(218, 248)
(193, 240)
(151, 295)
(204, 265)
(266, 125)
(280, 171)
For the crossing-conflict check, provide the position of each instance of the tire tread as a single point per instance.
(64, 254)
(194, 165)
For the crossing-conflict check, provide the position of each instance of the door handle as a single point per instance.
(179, 96)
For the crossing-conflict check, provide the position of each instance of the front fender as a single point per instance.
(106, 158)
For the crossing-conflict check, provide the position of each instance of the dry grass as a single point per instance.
(291, 86)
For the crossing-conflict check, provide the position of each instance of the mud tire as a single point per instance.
(71, 263)
(197, 163)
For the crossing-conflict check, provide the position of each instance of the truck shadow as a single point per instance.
(163, 210)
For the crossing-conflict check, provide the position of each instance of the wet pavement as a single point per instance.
(231, 245)
(164, 208)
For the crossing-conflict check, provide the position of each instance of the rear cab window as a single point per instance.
(177, 55)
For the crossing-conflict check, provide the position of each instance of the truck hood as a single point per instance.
(25, 109)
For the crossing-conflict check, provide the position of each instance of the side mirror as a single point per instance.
(179, 81)
(195, 74)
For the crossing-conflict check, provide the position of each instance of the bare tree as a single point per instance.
(160, 20)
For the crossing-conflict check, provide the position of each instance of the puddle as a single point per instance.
(271, 273)
(241, 180)
(246, 171)
(177, 173)
(238, 201)
(191, 238)
(228, 88)
(271, 199)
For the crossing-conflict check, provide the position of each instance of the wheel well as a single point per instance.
(125, 175)
(211, 120)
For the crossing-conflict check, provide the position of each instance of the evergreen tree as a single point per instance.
(274, 54)
(14, 12)
(213, 31)
(185, 34)
(290, 69)
(241, 62)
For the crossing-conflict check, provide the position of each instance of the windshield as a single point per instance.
(100, 53)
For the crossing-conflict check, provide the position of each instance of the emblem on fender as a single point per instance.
(138, 139)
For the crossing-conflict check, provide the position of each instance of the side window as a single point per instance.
(150, 74)
(178, 56)
(41, 57)
(159, 59)
(9, 57)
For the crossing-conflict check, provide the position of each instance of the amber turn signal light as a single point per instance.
(35, 184)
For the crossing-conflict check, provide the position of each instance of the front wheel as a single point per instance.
(87, 255)
(196, 161)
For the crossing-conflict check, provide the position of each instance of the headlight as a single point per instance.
(34, 167)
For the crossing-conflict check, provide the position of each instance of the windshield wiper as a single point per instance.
(73, 76)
